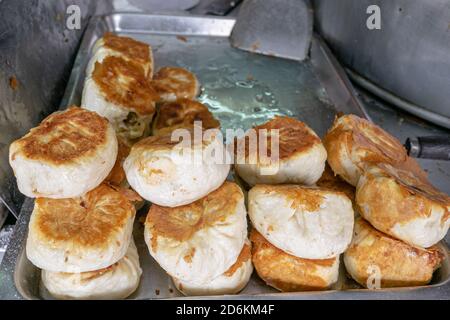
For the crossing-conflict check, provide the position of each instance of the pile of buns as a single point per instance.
(80, 230)
(403, 216)
(90, 167)
(299, 229)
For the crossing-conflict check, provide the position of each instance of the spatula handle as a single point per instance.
(433, 147)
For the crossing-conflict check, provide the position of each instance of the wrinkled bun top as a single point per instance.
(135, 51)
(360, 142)
(199, 241)
(125, 84)
(182, 223)
(295, 137)
(80, 234)
(410, 182)
(399, 203)
(307, 222)
(167, 142)
(88, 221)
(173, 83)
(64, 137)
(182, 114)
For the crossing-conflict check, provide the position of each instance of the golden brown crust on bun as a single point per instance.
(392, 198)
(244, 256)
(352, 143)
(117, 175)
(399, 264)
(182, 114)
(91, 220)
(173, 83)
(333, 182)
(180, 223)
(294, 136)
(124, 84)
(64, 137)
(284, 271)
(134, 50)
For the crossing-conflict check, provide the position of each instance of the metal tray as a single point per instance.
(241, 89)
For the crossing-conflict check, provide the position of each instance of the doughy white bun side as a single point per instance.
(305, 222)
(170, 178)
(346, 169)
(92, 99)
(211, 244)
(398, 203)
(303, 168)
(114, 282)
(75, 244)
(66, 179)
(424, 232)
(224, 284)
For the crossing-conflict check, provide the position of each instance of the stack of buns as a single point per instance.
(196, 228)
(299, 229)
(80, 230)
(118, 85)
(203, 245)
(403, 216)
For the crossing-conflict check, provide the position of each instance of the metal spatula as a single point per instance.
(281, 28)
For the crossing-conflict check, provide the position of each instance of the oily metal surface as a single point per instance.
(36, 55)
(242, 89)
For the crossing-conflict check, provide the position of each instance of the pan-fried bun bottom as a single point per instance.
(309, 223)
(232, 281)
(117, 281)
(199, 241)
(288, 273)
(301, 155)
(352, 143)
(80, 234)
(377, 257)
(70, 153)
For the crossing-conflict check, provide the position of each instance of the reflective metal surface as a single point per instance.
(37, 53)
(408, 57)
(399, 102)
(259, 29)
(241, 89)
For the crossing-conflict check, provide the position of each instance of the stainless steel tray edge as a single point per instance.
(18, 278)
